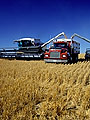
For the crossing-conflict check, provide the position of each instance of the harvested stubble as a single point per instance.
(33, 90)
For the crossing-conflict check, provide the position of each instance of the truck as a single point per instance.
(64, 50)
(87, 54)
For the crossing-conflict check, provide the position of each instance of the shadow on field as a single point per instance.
(81, 60)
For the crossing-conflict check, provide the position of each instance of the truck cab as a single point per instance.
(58, 52)
(62, 50)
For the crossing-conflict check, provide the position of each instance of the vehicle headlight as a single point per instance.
(64, 55)
(46, 55)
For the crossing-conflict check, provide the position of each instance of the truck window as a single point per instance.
(60, 45)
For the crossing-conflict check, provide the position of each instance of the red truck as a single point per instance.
(64, 50)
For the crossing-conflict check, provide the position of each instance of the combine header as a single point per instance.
(62, 50)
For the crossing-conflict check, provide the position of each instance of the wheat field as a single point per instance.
(34, 90)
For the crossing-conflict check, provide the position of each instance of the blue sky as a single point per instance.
(42, 19)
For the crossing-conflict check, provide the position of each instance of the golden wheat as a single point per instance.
(81, 56)
(34, 90)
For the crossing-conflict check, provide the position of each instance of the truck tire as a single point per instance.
(76, 58)
(70, 60)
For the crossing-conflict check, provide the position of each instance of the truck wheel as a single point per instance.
(70, 60)
(86, 59)
(76, 59)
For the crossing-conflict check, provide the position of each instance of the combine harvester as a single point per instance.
(62, 50)
(28, 48)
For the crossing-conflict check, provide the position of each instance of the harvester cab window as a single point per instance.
(20, 44)
(60, 45)
(25, 43)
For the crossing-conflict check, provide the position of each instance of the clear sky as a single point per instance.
(42, 19)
